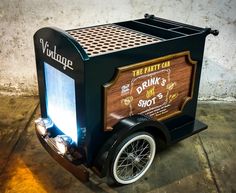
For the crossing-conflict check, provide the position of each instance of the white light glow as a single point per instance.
(60, 101)
(41, 129)
(62, 148)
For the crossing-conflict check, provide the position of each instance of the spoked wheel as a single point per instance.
(133, 158)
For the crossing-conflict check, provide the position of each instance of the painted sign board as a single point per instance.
(158, 88)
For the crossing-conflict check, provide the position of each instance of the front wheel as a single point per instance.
(133, 157)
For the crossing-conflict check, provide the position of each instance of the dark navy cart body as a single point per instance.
(77, 69)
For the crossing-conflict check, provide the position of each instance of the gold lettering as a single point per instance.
(166, 64)
(152, 68)
(137, 72)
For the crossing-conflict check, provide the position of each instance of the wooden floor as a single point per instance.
(202, 163)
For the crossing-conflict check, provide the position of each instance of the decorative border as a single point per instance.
(150, 62)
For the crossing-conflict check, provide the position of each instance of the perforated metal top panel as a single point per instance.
(109, 38)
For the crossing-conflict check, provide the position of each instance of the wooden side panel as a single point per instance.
(158, 88)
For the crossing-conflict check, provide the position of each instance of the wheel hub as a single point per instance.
(137, 159)
(133, 158)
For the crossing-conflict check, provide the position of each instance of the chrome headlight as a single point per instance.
(42, 124)
(63, 143)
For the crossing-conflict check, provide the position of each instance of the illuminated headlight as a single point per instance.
(41, 129)
(42, 125)
(63, 143)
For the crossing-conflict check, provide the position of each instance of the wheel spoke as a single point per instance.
(132, 146)
(132, 169)
(144, 162)
(144, 155)
(124, 165)
(144, 149)
(139, 166)
(137, 145)
(122, 158)
(123, 161)
(122, 171)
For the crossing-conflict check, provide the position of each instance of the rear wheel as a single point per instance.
(133, 157)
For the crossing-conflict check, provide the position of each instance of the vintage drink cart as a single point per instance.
(112, 95)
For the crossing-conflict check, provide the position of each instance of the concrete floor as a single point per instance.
(202, 163)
